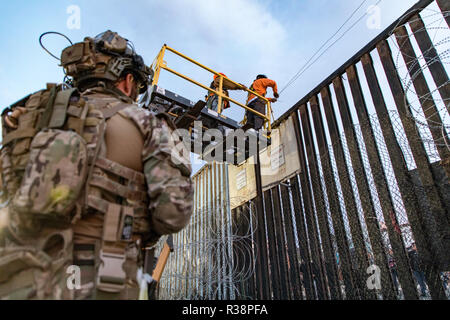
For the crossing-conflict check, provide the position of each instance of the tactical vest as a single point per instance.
(53, 175)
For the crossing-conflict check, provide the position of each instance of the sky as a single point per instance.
(241, 38)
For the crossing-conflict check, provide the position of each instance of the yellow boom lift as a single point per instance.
(184, 113)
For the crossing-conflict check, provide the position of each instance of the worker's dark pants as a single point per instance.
(213, 103)
(256, 121)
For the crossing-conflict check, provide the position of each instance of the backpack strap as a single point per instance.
(110, 112)
(53, 116)
(45, 118)
(59, 110)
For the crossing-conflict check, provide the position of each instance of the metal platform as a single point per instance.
(234, 146)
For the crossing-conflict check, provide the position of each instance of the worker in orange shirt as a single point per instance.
(212, 100)
(259, 86)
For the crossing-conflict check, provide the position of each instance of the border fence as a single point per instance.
(351, 201)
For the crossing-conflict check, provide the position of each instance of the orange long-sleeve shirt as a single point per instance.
(260, 87)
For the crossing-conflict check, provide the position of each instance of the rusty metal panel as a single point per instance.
(336, 211)
(304, 252)
(360, 257)
(280, 245)
(315, 261)
(431, 57)
(294, 270)
(375, 234)
(305, 236)
(401, 176)
(422, 89)
(260, 241)
(274, 265)
(438, 212)
(319, 202)
(434, 220)
(444, 5)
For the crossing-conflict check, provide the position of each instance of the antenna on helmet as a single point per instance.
(67, 81)
(53, 32)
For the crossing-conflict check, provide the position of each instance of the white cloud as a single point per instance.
(246, 22)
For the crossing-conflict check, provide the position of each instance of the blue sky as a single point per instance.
(241, 38)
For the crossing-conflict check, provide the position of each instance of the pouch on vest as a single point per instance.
(27, 272)
(54, 176)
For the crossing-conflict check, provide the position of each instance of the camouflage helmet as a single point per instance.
(104, 57)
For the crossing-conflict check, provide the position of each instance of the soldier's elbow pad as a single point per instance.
(170, 218)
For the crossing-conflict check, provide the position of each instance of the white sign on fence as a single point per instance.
(241, 179)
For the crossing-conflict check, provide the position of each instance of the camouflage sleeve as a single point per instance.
(169, 184)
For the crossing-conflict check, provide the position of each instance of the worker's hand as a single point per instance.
(272, 100)
(243, 86)
(276, 95)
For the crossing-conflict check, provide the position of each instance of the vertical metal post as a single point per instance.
(272, 246)
(196, 224)
(221, 243)
(210, 228)
(444, 5)
(437, 220)
(401, 175)
(218, 220)
(319, 202)
(304, 254)
(360, 258)
(294, 271)
(281, 245)
(262, 269)
(423, 91)
(335, 208)
(204, 239)
(220, 99)
(252, 278)
(230, 234)
(160, 61)
(238, 261)
(373, 227)
(431, 56)
(314, 258)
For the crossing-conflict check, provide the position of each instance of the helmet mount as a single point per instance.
(108, 56)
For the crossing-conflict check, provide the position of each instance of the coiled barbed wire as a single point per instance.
(438, 106)
(216, 265)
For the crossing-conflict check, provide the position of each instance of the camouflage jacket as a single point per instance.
(169, 186)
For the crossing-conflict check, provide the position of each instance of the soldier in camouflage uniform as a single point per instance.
(100, 164)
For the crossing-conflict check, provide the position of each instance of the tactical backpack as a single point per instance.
(43, 170)
(51, 142)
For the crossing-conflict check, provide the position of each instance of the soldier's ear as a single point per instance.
(129, 79)
(130, 84)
